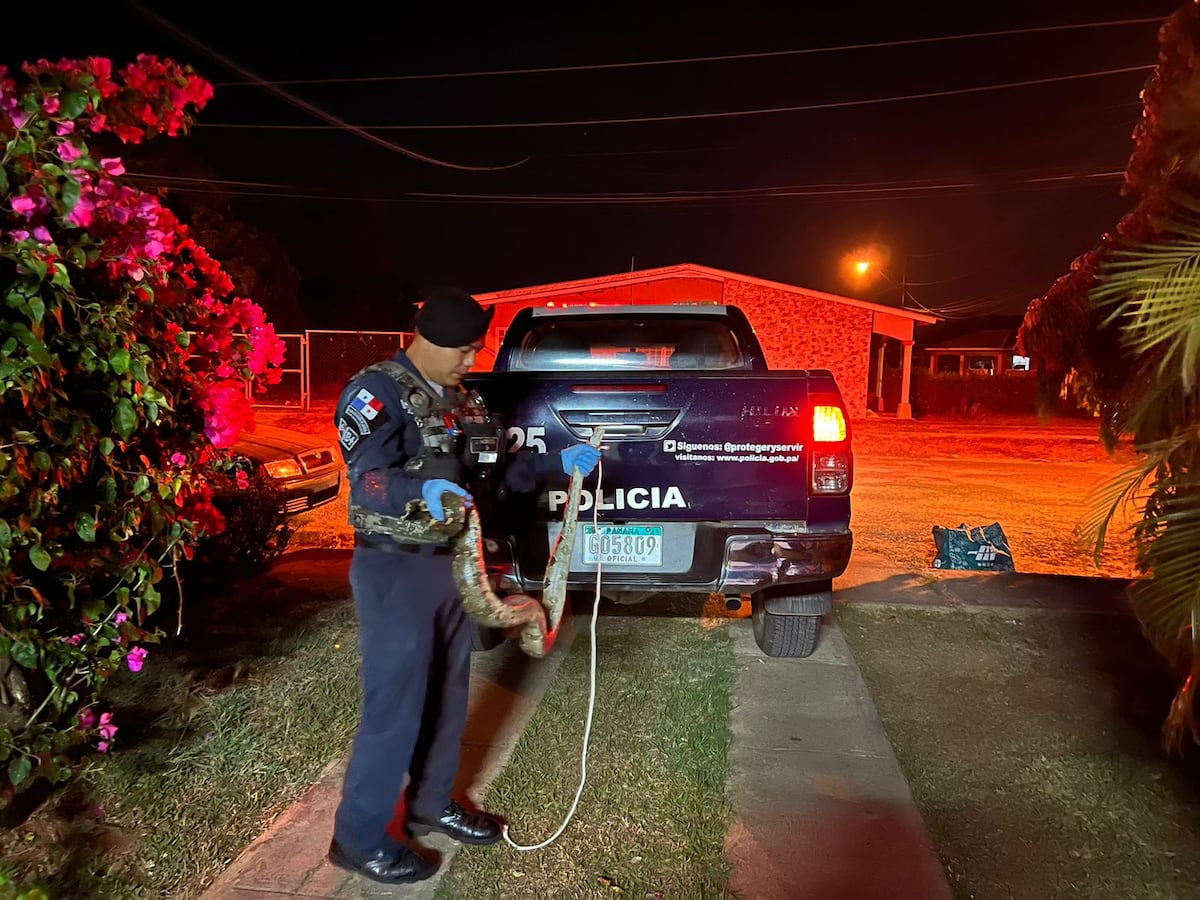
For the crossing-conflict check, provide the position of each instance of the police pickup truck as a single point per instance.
(719, 477)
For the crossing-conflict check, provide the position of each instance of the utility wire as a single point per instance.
(728, 57)
(332, 120)
(894, 190)
(688, 117)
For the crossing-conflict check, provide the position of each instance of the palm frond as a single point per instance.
(1105, 503)
(1153, 292)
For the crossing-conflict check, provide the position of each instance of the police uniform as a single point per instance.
(395, 432)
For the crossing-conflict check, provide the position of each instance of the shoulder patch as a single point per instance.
(347, 436)
(365, 411)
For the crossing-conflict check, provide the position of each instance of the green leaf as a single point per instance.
(41, 461)
(24, 653)
(139, 371)
(152, 599)
(36, 265)
(72, 104)
(3, 179)
(124, 418)
(85, 527)
(19, 769)
(61, 278)
(39, 557)
(140, 484)
(106, 446)
(5, 534)
(37, 309)
(119, 360)
(183, 339)
(152, 412)
(108, 490)
(70, 193)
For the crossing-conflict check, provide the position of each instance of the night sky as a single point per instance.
(953, 185)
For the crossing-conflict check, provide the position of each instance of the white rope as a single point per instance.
(587, 729)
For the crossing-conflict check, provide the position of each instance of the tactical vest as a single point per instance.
(458, 443)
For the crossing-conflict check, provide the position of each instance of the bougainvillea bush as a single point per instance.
(124, 365)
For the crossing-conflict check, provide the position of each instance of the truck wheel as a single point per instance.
(484, 638)
(780, 635)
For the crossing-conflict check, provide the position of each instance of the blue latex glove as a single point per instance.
(431, 493)
(582, 457)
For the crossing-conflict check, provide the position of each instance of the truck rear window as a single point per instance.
(594, 342)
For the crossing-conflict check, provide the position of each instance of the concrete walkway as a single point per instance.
(288, 860)
(822, 807)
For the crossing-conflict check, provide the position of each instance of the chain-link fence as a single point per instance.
(317, 364)
(334, 356)
(291, 390)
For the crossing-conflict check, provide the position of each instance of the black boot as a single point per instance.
(390, 865)
(465, 826)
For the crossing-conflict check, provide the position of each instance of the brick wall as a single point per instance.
(796, 331)
(802, 332)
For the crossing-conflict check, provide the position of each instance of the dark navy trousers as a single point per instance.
(416, 667)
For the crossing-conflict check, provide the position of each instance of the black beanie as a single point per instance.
(450, 317)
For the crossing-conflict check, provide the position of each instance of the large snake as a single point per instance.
(537, 618)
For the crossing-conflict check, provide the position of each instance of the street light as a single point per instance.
(857, 266)
(864, 265)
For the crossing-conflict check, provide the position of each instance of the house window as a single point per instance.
(1019, 363)
(947, 365)
(981, 364)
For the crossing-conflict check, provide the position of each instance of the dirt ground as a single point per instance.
(1035, 480)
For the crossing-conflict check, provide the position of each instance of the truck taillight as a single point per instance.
(830, 472)
(830, 451)
(829, 424)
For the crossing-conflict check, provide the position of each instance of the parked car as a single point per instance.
(306, 467)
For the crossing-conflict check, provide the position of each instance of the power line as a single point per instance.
(728, 57)
(867, 190)
(332, 120)
(685, 117)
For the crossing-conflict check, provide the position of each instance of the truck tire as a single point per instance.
(484, 638)
(784, 635)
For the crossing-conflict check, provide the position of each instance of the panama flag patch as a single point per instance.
(367, 404)
(366, 411)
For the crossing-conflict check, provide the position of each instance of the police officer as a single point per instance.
(408, 430)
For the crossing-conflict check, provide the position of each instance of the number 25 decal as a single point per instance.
(530, 437)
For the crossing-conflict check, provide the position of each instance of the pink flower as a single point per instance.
(87, 718)
(42, 233)
(242, 479)
(74, 640)
(83, 213)
(108, 730)
(113, 166)
(102, 746)
(23, 205)
(178, 459)
(19, 234)
(68, 152)
(62, 129)
(121, 617)
(51, 105)
(135, 659)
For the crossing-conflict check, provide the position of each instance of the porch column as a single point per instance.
(879, 375)
(904, 409)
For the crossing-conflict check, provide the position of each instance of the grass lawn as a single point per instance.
(1031, 746)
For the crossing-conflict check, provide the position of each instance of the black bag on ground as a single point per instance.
(981, 548)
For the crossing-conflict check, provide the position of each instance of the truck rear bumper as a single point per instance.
(730, 560)
(752, 564)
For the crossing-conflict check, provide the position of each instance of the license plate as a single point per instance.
(637, 545)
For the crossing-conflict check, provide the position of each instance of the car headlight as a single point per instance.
(283, 468)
